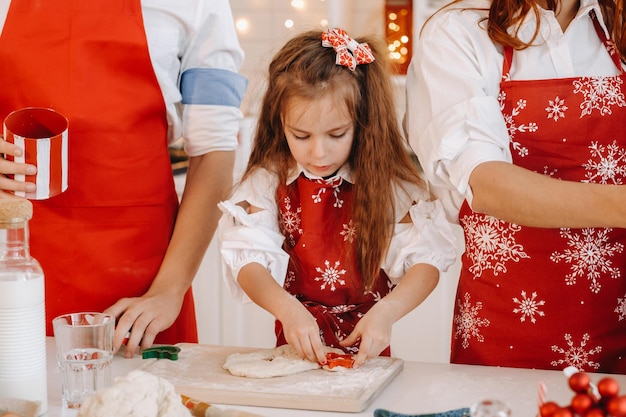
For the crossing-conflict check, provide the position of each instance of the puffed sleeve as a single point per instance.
(245, 238)
(429, 238)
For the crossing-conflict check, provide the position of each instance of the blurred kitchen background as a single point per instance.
(263, 26)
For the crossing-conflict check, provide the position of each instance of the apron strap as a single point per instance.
(608, 44)
(508, 61)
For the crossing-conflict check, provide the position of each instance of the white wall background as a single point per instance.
(422, 335)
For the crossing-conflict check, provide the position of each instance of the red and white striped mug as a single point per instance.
(42, 134)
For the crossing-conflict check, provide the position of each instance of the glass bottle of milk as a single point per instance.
(22, 310)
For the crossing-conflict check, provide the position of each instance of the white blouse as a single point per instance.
(246, 238)
(453, 116)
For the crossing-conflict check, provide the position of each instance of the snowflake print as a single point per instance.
(348, 232)
(350, 349)
(599, 93)
(529, 307)
(549, 172)
(340, 309)
(621, 308)
(610, 46)
(467, 323)
(330, 275)
(331, 183)
(589, 254)
(375, 295)
(556, 109)
(576, 356)
(291, 220)
(289, 279)
(513, 127)
(608, 164)
(490, 244)
(317, 198)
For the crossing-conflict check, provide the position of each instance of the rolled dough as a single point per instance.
(269, 363)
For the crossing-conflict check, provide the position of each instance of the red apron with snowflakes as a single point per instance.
(550, 298)
(105, 237)
(315, 217)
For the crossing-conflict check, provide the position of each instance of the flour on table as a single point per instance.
(269, 363)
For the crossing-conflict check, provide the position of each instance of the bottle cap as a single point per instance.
(15, 208)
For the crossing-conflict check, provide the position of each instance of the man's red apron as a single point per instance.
(550, 298)
(105, 237)
(319, 235)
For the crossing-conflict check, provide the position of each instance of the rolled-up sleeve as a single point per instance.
(196, 56)
(428, 239)
(212, 89)
(244, 239)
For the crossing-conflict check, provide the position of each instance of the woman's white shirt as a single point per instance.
(453, 115)
(246, 238)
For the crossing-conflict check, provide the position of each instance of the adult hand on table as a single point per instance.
(144, 317)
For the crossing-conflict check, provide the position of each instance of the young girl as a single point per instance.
(331, 229)
(517, 111)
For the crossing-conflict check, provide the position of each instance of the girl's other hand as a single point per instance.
(374, 332)
(10, 168)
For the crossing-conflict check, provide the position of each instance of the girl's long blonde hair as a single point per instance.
(379, 158)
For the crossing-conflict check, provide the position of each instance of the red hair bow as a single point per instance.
(350, 53)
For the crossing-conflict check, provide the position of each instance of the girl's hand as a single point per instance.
(9, 167)
(302, 333)
(374, 332)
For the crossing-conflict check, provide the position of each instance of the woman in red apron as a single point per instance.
(543, 281)
(103, 241)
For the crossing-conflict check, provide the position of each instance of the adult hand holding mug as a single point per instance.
(35, 149)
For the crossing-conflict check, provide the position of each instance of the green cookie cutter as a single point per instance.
(161, 352)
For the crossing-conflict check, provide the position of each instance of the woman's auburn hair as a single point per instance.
(379, 158)
(505, 14)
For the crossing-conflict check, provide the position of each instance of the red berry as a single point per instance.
(579, 382)
(563, 412)
(594, 412)
(608, 387)
(581, 402)
(548, 408)
(616, 406)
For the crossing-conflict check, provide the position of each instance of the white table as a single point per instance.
(419, 388)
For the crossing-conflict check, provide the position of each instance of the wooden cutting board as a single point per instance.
(198, 373)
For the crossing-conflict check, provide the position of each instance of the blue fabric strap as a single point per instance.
(212, 86)
(461, 412)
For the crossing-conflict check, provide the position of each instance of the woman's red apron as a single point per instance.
(550, 298)
(319, 234)
(105, 237)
